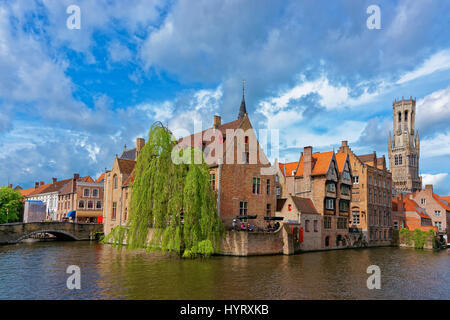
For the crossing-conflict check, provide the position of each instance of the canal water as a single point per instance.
(38, 271)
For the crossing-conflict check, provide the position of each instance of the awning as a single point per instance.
(246, 217)
(273, 218)
(72, 214)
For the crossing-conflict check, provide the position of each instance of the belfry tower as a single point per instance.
(404, 147)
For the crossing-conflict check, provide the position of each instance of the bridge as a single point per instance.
(15, 232)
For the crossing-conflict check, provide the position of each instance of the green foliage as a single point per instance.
(418, 237)
(163, 192)
(11, 200)
(116, 237)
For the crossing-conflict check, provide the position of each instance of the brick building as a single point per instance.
(435, 206)
(237, 164)
(302, 212)
(371, 211)
(74, 196)
(407, 214)
(327, 181)
(117, 182)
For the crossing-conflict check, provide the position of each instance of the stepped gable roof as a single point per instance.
(304, 205)
(321, 163)
(366, 157)
(125, 165)
(129, 154)
(340, 160)
(65, 186)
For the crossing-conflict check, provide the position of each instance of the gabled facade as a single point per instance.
(70, 193)
(116, 183)
(407, 214)
(242, 186)
(435, 206)
(319, 177)
(301, 211)
(371, 211)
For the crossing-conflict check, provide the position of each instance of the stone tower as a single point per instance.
(404, 147)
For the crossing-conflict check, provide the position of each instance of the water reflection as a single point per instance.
(38, 271)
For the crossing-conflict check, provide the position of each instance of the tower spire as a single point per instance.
(242, 109)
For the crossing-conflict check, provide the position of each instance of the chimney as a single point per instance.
(375, 159)
(429, 188)
(140, 143)
(217, 122)
(307, 162)
(76, 176)
(345, 143)
(10, 186)
(54, 180)
(36, 184)
(41, 183)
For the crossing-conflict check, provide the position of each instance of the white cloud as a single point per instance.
(118, 52)
(435, 179)
(435, 146)
(433, 111)
(438, 62)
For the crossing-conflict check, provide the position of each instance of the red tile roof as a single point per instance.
(100, 178)
(444, 203)
(26, 192)
(411, 205)
(340, 159)
(321, 163)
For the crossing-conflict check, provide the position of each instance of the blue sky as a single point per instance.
(71, 99)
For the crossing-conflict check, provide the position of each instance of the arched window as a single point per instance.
(396, 160)
(327, 241)
(399, 117)
(400, 159)
(406, 115)
(116, 182)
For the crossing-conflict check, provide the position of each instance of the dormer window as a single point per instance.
(331, 187)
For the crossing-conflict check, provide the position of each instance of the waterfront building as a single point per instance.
(240, 172)
(435, 206)
(71, 191)
(404, 148)
(116, 182)
(406, 213)
(317, 176)
(371, 209)
(301, 211)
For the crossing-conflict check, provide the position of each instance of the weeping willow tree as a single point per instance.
(174, 201)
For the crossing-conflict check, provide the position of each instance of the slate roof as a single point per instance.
(129, 154)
